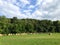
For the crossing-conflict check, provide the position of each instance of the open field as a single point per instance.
(31, 39)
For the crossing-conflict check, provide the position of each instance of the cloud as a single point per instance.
(39, 9)
(25, 1)
(56, 13)
(49, 8)
(9, 9)
(31, 6)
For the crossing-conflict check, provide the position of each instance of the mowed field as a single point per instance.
(31, 39)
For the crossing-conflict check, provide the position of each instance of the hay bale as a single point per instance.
(50, 33)
(1, 35)
(10, 34)
(17, 34)
(23, 33)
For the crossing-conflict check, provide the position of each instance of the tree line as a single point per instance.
(15, 25)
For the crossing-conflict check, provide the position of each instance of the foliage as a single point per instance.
(15, 25)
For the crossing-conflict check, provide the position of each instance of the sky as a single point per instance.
(32, 9)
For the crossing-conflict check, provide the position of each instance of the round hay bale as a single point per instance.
(9, 34)
(1, 35)
(17, 34)
(50, 33)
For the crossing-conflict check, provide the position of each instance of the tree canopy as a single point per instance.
(15, 25)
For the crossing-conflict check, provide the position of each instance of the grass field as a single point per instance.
(31, 39)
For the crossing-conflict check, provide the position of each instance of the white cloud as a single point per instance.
(38, 13)
(48, 1)
(45, 9)
(25, 1)
(39, 2)
(31, 6)
(10, 10)
(56, 13)
(49, 8)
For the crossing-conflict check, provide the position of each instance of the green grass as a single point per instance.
(31, 39)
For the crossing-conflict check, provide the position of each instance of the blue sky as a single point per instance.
(34, 9)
